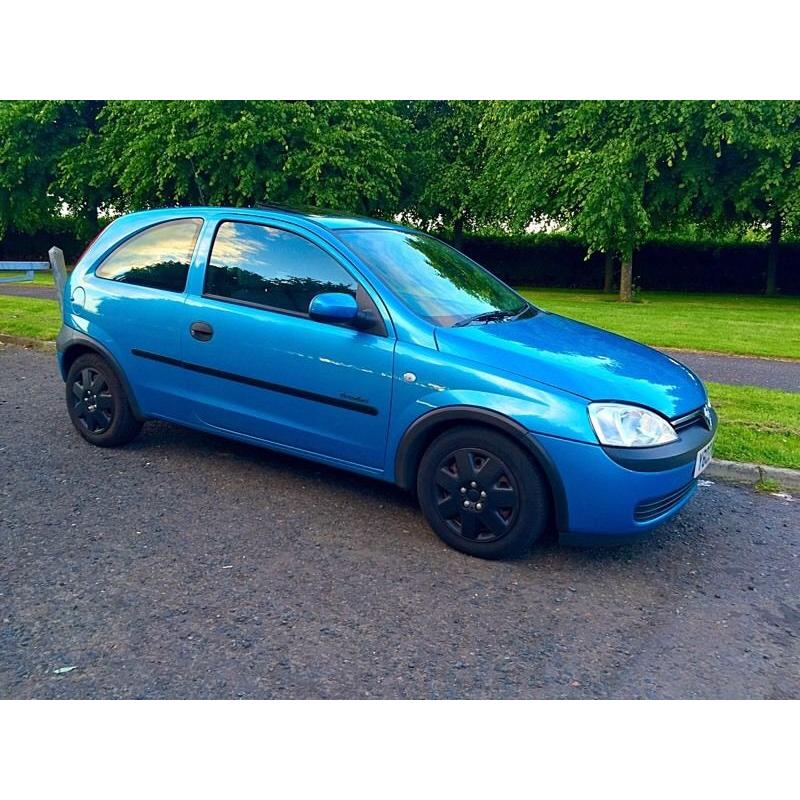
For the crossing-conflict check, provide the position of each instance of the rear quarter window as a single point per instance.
(157, 257)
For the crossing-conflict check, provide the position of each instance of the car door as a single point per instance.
(133, 304)
(259, 366)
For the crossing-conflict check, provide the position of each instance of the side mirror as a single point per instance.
(333, 307)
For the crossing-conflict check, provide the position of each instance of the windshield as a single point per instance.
(435, 281)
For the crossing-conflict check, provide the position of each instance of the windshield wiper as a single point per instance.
(495, 315)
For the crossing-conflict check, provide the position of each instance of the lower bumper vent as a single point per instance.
(651, 509)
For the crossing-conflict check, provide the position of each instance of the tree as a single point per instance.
(746, 170)
(598, 168)
(193, 153)
(83, 180)
(608, 273)
(349, 155)
(445, 190)
(40, 167)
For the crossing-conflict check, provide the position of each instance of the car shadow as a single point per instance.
(166, 435)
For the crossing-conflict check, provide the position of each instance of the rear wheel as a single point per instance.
(482, 493)
(98, 404)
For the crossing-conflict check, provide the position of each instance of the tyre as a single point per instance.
(98, 404)
(482, 493)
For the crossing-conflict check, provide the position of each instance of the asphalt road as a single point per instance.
(742, 371)
(187, 566)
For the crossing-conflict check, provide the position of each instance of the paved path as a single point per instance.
(184, 565)
(738, 370)
(28, 290)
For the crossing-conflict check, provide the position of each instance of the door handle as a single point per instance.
(201, 331)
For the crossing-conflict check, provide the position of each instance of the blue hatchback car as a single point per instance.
(379, 349)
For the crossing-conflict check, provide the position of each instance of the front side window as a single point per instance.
(436, 282)
(158, 257)
(254, 263)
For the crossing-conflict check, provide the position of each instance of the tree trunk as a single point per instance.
(608, 274)
(92, 218)
(772, 256)
(626, 278)
(458, 232)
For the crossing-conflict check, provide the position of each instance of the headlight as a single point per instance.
(619, 425)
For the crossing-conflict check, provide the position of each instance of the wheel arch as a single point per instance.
(426, 428)
(78, 344)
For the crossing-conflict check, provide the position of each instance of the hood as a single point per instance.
(580, 359)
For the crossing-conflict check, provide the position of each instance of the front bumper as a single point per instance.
(618, 494)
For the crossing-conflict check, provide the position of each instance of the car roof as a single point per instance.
(324, 218)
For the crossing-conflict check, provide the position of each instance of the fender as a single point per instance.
(68, 339)
(420, 433)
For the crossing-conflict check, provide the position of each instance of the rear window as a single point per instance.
(158, 257)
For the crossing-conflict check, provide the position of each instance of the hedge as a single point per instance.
(559, 261)
(552, 260)
(16, 246)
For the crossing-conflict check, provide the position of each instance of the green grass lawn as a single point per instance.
(29, 316)
(757, 425)
(739, 324)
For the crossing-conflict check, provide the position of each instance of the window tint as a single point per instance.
(158, 257)
(271, 267)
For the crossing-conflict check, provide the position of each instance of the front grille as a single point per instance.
(650, 509)
(687, 420)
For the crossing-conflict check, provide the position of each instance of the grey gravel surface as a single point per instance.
(742, 371)
(187, 566)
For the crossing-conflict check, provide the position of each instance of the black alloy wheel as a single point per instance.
(477, 497)
(98, 404)
(482, 493)
(93, 404)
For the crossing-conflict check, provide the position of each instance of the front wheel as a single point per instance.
(98, 404)
(482, 493)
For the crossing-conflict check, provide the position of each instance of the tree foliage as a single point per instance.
(616, 172)
(447, 156)
(605, 171)
(350, 155)
(46, 160)
(327, 153)
(748, 157)
(613, 173)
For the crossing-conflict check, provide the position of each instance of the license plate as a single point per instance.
(703, 458)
